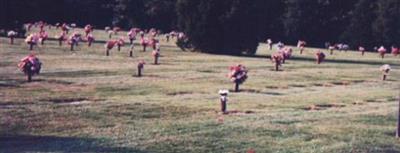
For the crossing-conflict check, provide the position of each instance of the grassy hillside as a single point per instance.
(84, 101)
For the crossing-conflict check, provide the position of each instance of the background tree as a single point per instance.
(226, 26)
(359, 31)
(386, 26)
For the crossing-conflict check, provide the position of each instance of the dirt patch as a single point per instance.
(237, 112)
(179, 93)
(250, 90)
(323, 106)
(297, 85)
(341, 83)
(72, 101)
(255, 91)
(272, 87)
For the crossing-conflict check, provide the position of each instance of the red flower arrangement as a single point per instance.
(277, 58)
(320, 56)
(88, 28)
(110, 44)
(120, 43)
(238, 75)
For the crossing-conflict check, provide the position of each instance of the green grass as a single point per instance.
(84, 101)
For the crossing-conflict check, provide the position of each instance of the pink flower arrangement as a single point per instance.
(30, 59)
(90, 39)
(43, 36)
(382, 51)
(395, 51)
(132, 34)
(156, 53)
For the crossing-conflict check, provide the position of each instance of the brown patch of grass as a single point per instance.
(323, 106)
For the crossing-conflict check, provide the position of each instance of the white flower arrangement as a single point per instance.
(385, 68)
(12, 33)
(223, 92)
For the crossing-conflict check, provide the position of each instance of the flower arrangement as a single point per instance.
(286, 53)
(120, 43)
(362, 50)
(140, 66)
(74, 40)
(238, 75)
(30, 65)
(156, 54)
(65, 27)
(320, 56)
(301, 44)
(110, 44)
(88, 28)
(331, 48)
(43, 36)
(107, 29)
(90, 39)
(132, 34)
(144, 42)
(385, 70)
(32, 40)
(12, 34)
(382, 51)
(277, 58)
(395, 51)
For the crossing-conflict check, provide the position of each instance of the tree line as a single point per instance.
(226, 26)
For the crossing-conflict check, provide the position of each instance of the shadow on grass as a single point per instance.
(76, 74)
(341, 61)
(29, 143)
(297, 58)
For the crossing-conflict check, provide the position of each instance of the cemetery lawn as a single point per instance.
(84, 101)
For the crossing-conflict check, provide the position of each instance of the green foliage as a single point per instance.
(228, 27)
(386, 24)
(359, 32)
